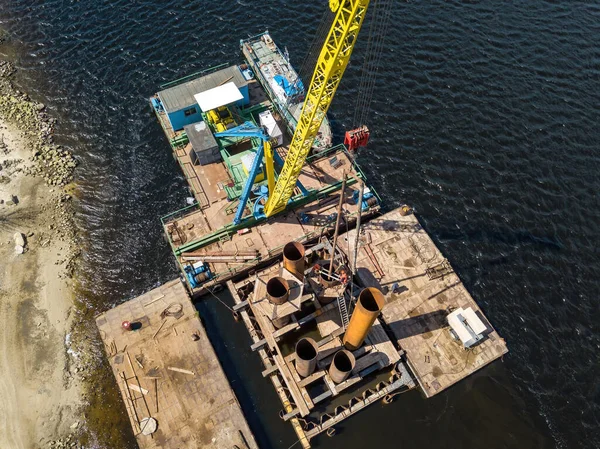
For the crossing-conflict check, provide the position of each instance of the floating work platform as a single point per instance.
(208, 247)
(314, 314)
(206, 233)
(167, 370)
(390, 315)
(397, 256)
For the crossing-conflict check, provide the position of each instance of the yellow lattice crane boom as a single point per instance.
(326, 78)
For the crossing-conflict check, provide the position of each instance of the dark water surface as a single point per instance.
(485, 119)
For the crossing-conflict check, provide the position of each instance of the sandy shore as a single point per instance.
(41, 394)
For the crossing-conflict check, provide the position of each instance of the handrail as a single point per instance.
(201, 72)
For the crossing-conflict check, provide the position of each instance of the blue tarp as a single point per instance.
(290, 90)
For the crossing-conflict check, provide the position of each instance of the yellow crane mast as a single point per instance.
(332, 62)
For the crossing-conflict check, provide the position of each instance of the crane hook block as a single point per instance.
(355, 138)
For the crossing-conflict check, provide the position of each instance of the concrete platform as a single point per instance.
(397, 256)
(168, 370)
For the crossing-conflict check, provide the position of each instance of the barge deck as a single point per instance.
(397, 256)
(315, 401)
(391, 315)
(167, 370)
(200, 232)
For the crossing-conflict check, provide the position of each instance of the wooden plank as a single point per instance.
(348, 383)
(292, 387)
(285, 329)
(322, 397)
(297, 379)
(180, 370)
(152, 301)
(241, 305)
(291, 414)
(330, 385)
(138, 389)
(270, 370)
(366, 361)
(158, 330)
(310, 379)
(259, 344)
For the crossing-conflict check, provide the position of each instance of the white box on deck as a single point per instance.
(466, 325)
(267, 120)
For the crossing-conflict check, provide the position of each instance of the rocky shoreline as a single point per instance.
(48, 160)
(44, 403)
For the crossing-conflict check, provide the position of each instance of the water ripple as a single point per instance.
(484, 119)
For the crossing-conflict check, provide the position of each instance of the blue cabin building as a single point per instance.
(181, 106)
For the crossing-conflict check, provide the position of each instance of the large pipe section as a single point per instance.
(293, 259)
(326, 279)
(306, 356)
(342, 364)
(369, 304)
(278, 290)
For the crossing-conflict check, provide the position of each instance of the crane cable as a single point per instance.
(371, 60)
(378, 31)
(377, 35)
(386, 16)
(310, 59)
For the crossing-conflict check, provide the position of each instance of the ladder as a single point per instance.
(341, 300)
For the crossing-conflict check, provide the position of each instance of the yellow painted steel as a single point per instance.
(332, 62)
(269, 165)
(369, 304)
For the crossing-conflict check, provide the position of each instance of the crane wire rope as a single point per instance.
(310, 59)
(371, 61)
(385, 20)
(378, 32)
(364, 69)
(377, 35)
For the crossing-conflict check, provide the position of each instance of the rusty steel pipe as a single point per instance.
(293, 259)
(278, 323)
(342, 364)
(306, 356)
(325, 277)
(369, 304)
(278, 290)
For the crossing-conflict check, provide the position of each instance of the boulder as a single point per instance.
(19, 239)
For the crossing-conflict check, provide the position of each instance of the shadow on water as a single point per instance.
(243, 368)
(483, 401)
(502, 236)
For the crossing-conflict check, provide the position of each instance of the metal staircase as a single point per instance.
(343, 310)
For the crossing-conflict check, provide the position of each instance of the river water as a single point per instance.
(484, 118)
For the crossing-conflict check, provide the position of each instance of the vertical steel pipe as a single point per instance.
(293, 259)
(342, 364)
(337, 223)
(306, 356)
(278, 290)
(369, 304)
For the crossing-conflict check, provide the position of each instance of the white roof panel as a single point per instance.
(473, 320)
(218, 96)
(458, 326)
